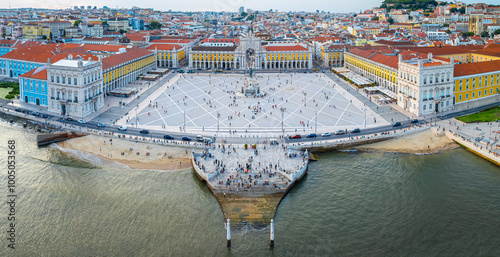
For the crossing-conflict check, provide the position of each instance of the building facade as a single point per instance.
(33, 86)
(168, 55)
(75, 87)
(333, 55)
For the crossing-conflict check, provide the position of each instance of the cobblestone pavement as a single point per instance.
(209, 102)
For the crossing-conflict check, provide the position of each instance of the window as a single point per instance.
(447, 92)
(473, 83)
(491, 90)
(466, 96)
(31, 99)
(69, 81)
(64, 80)
(57, 79)
(486, 81)
(430, 106)
(467, 85)
(43, 101)
(480, 81)
(485, 92)
(460, 98)
(74, 80)
(52, 79)
(447, 103)
(425, 107)
(425, 95)
(473, 94)
(84, 80)
(478, 93)
(425, 80)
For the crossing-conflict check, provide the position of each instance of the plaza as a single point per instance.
(297, 102)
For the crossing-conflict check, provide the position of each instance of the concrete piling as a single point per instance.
(228, 237)
(272, 233)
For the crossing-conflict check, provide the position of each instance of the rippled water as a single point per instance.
(349, 204)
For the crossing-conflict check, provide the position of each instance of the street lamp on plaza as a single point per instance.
(218, 115)
(316, 122)
(282, 128)
(184, 110)
(305, 100)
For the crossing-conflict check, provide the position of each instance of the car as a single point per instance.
(199, 138)
(340, 132)
(311, 135)
(18, 110)
(81, 121)
(123, 128)
(69, 119)
(35, 114)
(43, 115)
(396, 124)
(144, 131)
(414, 121)
(180, 71)
(297, 136)
(101, 125)
(326, 134)
(356, 130)
(168, 137)
(186, 139)
(273, 142)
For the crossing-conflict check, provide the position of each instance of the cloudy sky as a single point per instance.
(211, 5)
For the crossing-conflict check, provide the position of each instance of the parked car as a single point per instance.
(396, 124)
(101, 125)
(35, 114)
(144, 131)
(296, 136)
(311, 135)
(414, 121)
(43, 115)
(122, 128)
(18, 110)
(326, 134)
(340, 132)
(168, 137)
(199, 138)
(69, 119)
(356, 130)
(186, 139)
(82, 121)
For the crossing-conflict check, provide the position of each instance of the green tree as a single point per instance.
(446, 25)
(391, 20)
(376, 18)
(453, 10)
(485, 34)
(244, 14)
(448, 31)
(462, 10)
(4, 35)
(496, 32)
(122, 31)
(104, 23)
(76, 23)
(155, 25)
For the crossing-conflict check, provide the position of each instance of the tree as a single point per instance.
(467, 34)
(104, 23)
(448, 31)
(77, 23)
(446, 25)
(122, 31)
(485, 34)
(453, 10)
(4, 35)
(376, 18)
(497, 32)
(391, 20)
(243, 14)
(462, 10)
(155, 25)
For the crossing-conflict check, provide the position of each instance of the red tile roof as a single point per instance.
(38, 73)
(163, 47)
(466, 69)
(278, 47)
(37, 53)
(117, 59)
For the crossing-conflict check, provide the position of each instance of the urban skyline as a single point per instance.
(215, 5)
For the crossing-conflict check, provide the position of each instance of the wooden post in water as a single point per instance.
(228, 228)
(272, 232)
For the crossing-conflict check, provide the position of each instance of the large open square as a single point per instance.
(206, 103)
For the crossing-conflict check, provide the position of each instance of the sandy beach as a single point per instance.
(421, 142)
(136, 155)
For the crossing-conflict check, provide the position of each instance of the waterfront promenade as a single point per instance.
(250, 183)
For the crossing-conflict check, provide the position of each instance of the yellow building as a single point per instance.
(333, 55)
(477, 84)
(123, 68)
(35, 31)
(401, 25)
(168, 55)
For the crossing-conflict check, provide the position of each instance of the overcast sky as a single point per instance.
(211, 5)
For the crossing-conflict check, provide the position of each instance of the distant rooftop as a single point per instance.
(73, 63)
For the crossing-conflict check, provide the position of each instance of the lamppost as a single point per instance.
(184, 110)
(365, 113)
(210, 79)
(282, 128)
(136, 115)
(218, 115)
(291, 77)
(316, 122)
(305, 94)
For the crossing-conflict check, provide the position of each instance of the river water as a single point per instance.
(349, 204)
